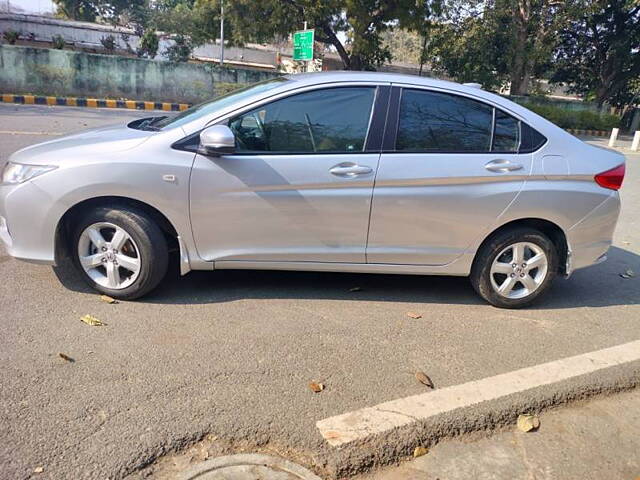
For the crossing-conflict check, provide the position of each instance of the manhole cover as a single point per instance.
(248, 467)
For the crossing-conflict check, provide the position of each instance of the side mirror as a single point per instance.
(217, 140)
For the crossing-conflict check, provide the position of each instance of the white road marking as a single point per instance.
(359, 424)
(16, 132)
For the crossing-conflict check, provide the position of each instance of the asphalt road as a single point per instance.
(231, 353)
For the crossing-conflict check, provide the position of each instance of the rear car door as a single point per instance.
(299, 186)
(451, 164)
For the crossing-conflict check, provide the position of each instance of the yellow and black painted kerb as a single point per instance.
(93, 102)
(593, 133)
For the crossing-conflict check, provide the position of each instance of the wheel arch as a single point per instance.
(555, 233)
(63, 228)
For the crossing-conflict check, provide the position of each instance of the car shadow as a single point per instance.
(597, 286)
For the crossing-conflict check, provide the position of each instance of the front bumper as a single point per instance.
(27, 225)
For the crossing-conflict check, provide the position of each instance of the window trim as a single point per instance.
(375, 87)
(393, 123)
(183, 143)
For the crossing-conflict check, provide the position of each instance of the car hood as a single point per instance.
(87, 144)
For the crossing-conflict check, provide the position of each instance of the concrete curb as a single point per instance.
(92, 102)
(390, 447)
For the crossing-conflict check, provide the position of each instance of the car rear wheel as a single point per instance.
(119, 252)
(515, 267)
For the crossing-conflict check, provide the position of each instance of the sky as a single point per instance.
(28, 6)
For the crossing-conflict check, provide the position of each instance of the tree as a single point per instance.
(197, 20)
(122, 12)
(181, 49)
(470, 50)
(361, 22)
(83, 10)
(148, 44)
(495, 41)
(404, 46)
(599, 50)
(533, 24)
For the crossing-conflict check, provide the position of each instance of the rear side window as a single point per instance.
(439, 122)
(532, 140)
(327, 120)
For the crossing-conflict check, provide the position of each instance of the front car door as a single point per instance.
(299, 187)
(451, 165)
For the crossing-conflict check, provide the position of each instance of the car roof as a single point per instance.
(314, 78)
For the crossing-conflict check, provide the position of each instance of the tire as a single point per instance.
(125, 274)
(504, 285)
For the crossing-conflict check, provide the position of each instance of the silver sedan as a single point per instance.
(350, 172)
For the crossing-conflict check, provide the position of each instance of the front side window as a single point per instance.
(440, 122)
(328, 120)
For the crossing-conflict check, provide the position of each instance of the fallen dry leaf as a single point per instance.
(66, 357)
(38, 470)
(355, 289)
(528, 422)
(414, 315)
(424, 379)
(420, 451)
(91, 320)
(628, 273)
(107, 299)
(316, 387)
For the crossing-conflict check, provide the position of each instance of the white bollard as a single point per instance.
(614, 137)
(636, 141)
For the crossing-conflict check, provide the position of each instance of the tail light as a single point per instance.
(611, 178)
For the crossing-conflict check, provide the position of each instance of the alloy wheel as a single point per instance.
(519, 270)
(109, 255)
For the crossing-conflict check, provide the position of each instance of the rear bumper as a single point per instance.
(590, 238)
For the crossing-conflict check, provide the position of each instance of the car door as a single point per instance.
(299, 186)
(450, 166)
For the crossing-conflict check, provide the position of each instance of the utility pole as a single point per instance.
(221, 32)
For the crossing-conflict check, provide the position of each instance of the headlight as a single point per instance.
(15, 173)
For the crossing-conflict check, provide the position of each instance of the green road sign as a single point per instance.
(303, 45)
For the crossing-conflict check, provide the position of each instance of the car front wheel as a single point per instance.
(119, 252)
(515, 267)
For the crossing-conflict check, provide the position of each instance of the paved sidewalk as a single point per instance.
(593, 440)
(623, 143)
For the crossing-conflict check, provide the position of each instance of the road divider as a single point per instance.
(92, 102)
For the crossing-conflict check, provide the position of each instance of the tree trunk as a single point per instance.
(423, 52)
(520, 63)
(520, 77)
(333, 39)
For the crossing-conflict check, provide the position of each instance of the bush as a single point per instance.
(57, 41)
(148, 45)
(109, 43)
(181, 50)
(222, 88)
(11, 36)
(576, 119)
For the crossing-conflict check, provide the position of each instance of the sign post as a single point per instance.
(303, 45)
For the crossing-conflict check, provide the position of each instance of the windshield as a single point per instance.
(218, 103)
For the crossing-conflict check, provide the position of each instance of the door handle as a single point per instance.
(500, 165)
(349, 170)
